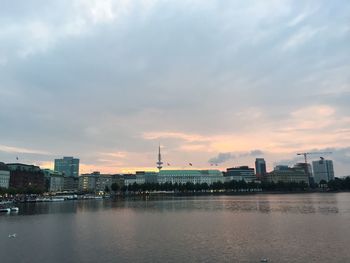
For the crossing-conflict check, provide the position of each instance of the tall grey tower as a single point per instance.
(323, 170)
(260, 167)
(68, 165)
(159, 163)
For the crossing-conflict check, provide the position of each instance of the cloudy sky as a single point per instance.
(211, 81)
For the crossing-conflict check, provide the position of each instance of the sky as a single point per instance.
(216, 81)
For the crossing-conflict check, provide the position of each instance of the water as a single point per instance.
(282, 228)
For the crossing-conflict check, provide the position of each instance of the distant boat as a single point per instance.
(14, 209)
(5, 210)
(57, 199)
(12, 235)
(44, 199)
(264, 260)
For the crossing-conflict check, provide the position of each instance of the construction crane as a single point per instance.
(306, 154)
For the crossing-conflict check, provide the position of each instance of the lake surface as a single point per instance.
(282, 228)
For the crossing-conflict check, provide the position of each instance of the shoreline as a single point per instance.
(174, 194)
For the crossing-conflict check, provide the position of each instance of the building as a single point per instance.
(4, 176)
(285, 174)
(70, 183)
(141, 177)
(104, 182)
(191, 176)
(308, 170)
(118, 179)
(87, 182)
(23, 176)
(260, 167)
(97, 182)
(69, 166)
(54, 180)
(241, 173)
(305, 166)
(176, 176)
(323, 170)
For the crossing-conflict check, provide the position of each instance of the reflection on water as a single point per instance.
(301, 203)
(283, 228)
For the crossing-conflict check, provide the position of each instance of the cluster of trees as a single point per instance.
(190, 187)
(335, 185)
(339, 184)
(218, 186)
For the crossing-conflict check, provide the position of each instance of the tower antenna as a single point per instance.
(159, 163)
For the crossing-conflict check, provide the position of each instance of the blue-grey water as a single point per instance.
(281, 228)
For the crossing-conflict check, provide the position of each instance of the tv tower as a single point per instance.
(159, 163)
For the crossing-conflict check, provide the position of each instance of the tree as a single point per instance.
(123, 189)
(204, 186)
(323, 184)
(115, 187)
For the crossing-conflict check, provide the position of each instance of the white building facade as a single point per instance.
(176, 176)
(192, 176)
(54, 180)
(285, 174)
(4, 179)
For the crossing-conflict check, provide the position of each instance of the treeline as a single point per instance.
(235, 186)
(339, 184)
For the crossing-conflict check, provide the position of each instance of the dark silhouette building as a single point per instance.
(260, 167)
(24, 176)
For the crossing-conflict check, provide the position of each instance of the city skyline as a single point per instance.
(212, 82)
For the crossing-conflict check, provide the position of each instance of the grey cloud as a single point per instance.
(255, 153)
(223, 157)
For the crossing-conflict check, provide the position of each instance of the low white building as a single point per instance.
(192, 176)
(285, 174)
(54, 180)
(176, 176)
(4, 176)
(140, 178)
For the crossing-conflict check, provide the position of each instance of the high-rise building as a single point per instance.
(260, 167)
(69, 166)
(323, 170)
